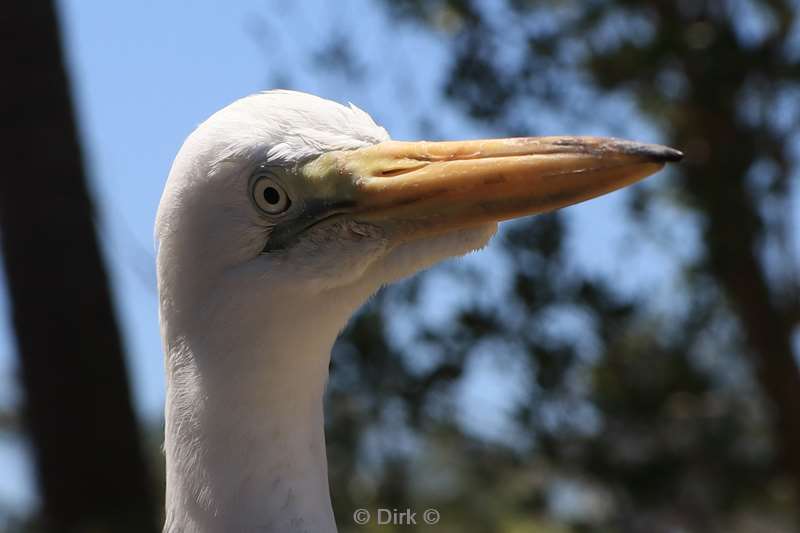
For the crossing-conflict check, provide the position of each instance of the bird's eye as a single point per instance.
(269, 196)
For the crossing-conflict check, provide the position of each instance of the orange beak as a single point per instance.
(435, 187)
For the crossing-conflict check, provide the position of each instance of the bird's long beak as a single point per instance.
(435, 187)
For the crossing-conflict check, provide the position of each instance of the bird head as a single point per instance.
(289, 196)
(282, 213)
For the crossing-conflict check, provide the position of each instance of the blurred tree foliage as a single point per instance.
(640, 413)
(673, 408)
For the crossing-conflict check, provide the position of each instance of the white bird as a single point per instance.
(282, 214)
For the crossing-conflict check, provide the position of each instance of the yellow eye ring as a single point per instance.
(269, 196)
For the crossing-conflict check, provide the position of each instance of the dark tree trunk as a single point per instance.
(89, 461)
(732, 239)
(734, 227)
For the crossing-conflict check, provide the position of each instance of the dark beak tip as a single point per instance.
(660, 154)
(671, 155)
(656, 153)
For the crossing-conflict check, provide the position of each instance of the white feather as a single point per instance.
(247, 338)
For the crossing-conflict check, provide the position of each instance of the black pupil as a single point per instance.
(271, 195)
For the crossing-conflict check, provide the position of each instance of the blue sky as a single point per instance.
(146, 73)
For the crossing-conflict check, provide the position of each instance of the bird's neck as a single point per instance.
(245, 443)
